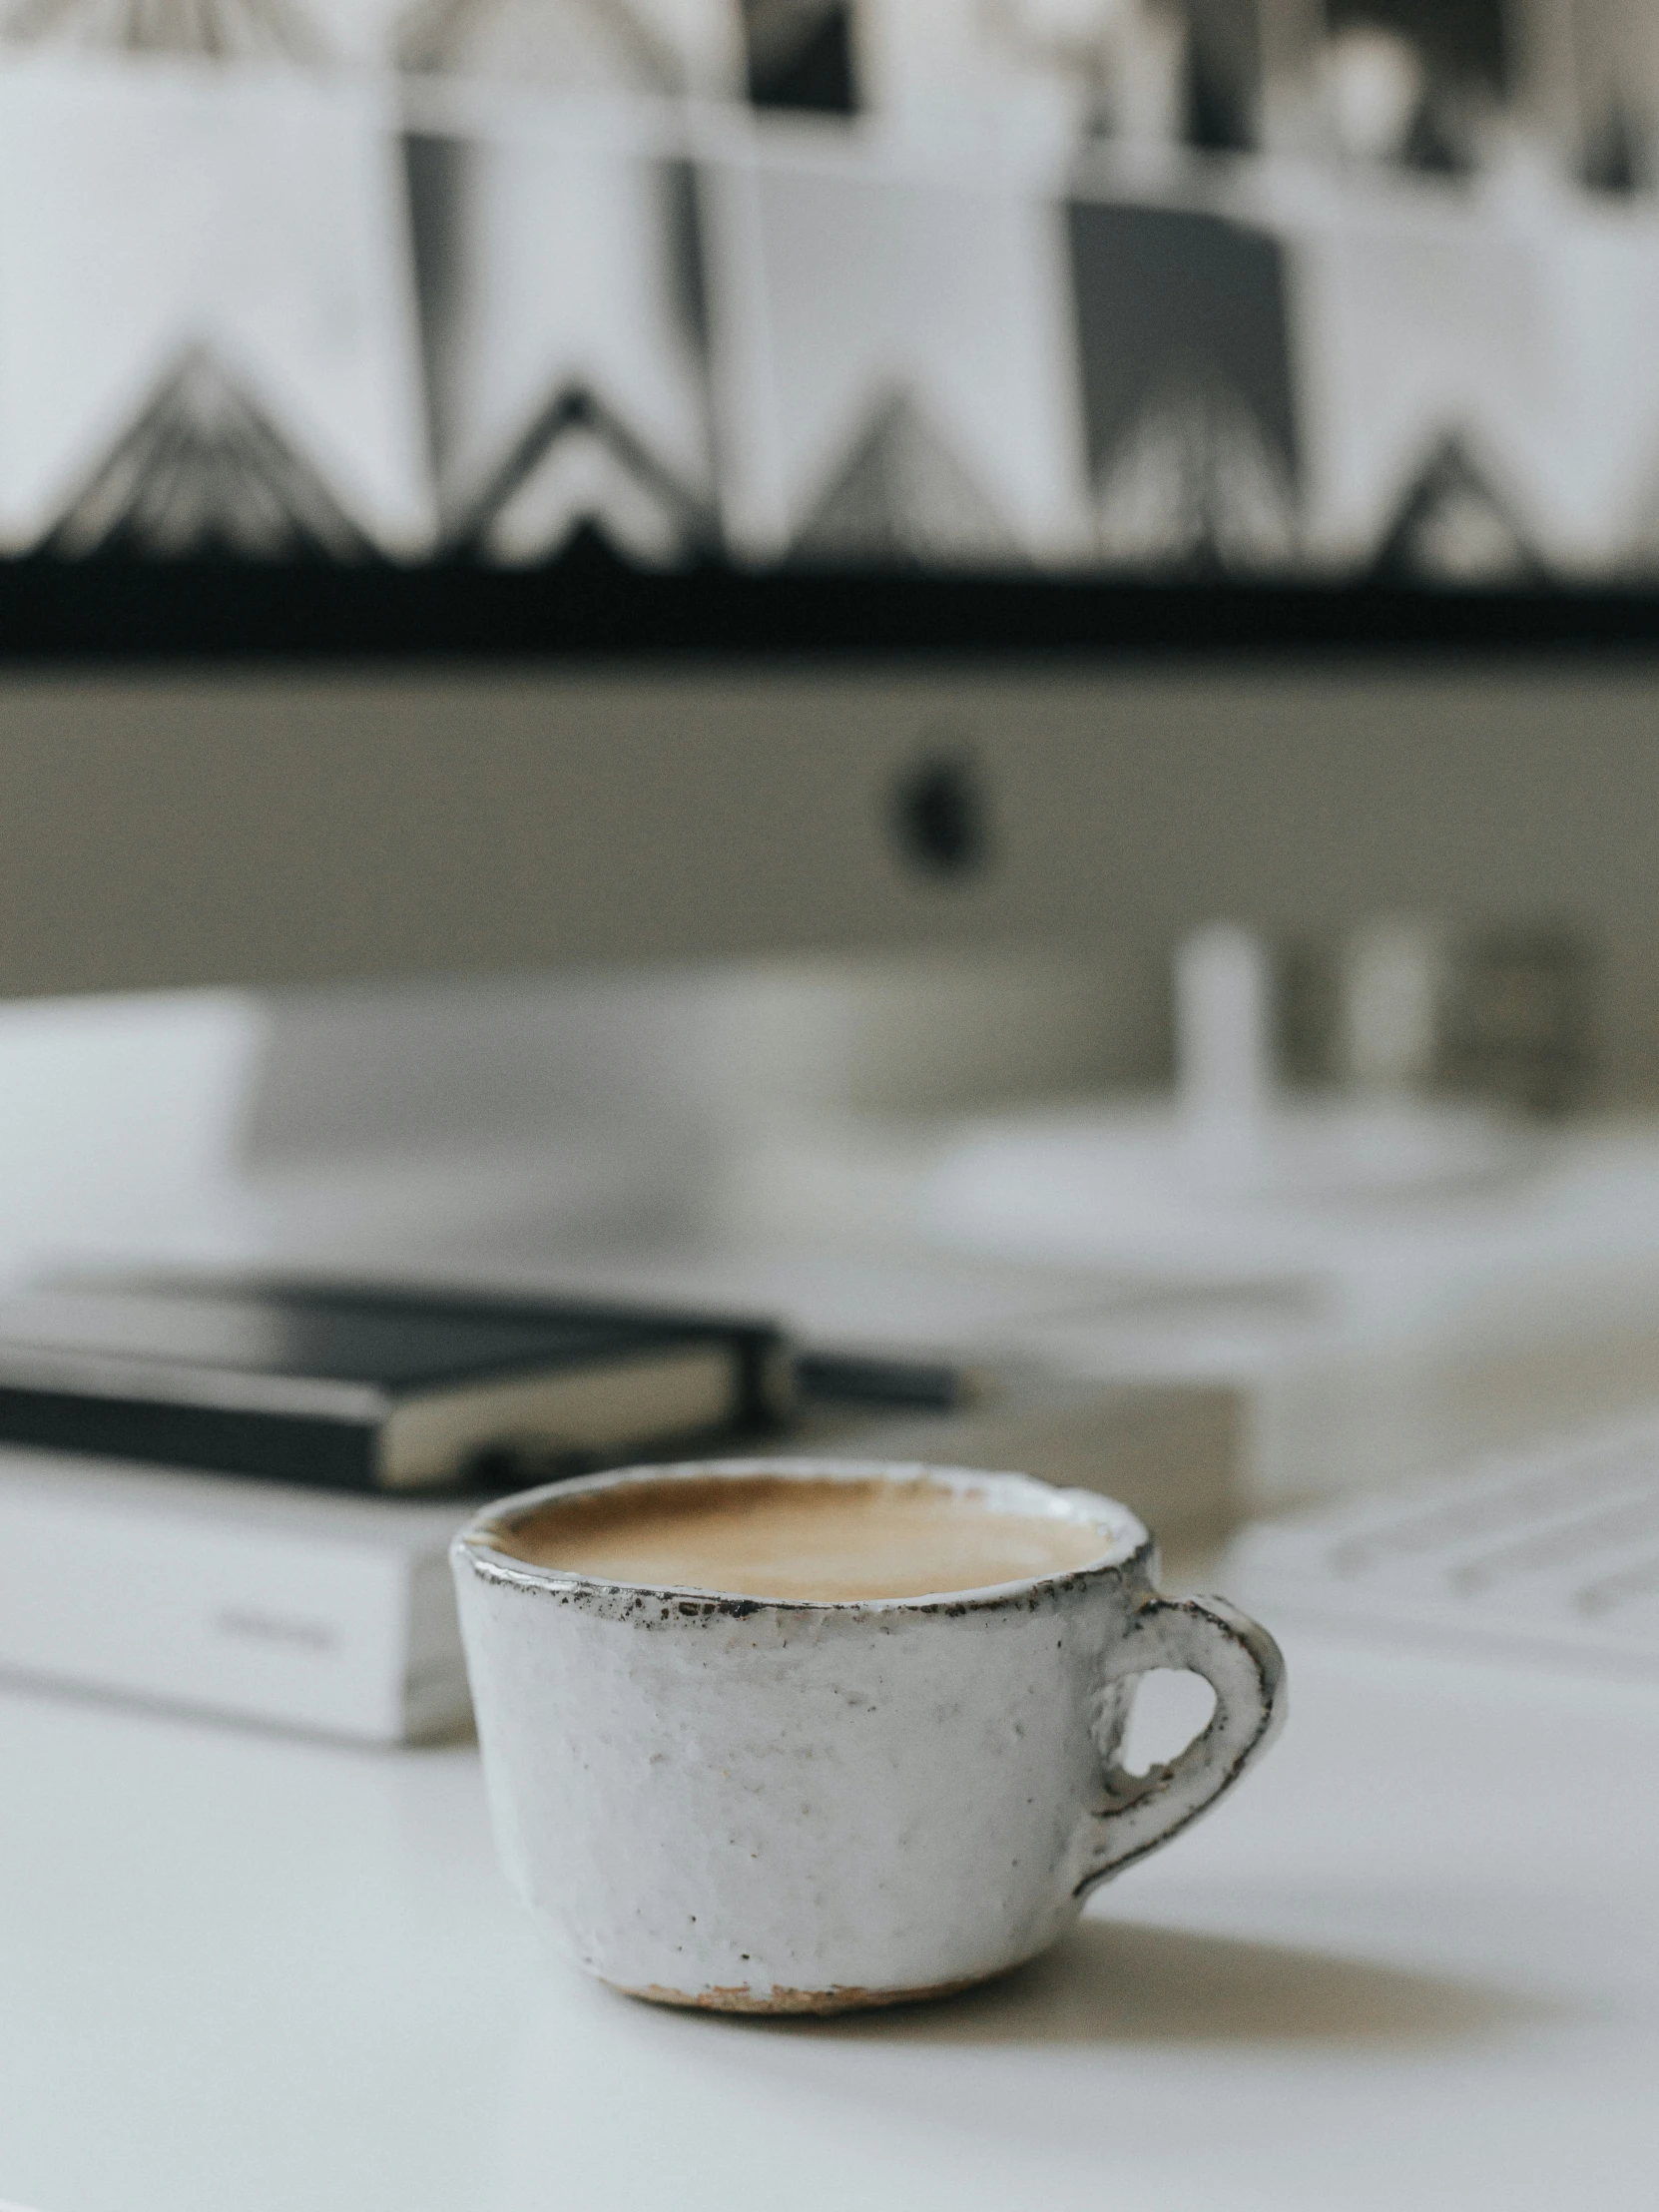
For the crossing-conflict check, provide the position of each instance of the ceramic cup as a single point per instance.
(757, 1805)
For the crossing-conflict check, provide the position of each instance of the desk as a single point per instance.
(1415, 1961)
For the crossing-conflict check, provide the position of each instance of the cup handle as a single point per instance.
(1241, 1664)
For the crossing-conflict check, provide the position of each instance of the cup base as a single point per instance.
(777, 2001)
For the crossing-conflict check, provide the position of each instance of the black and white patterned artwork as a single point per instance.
(1323, 289)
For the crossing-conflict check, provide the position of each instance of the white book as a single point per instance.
(259, 1601)
(335, 1612)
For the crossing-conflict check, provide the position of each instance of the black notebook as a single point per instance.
(367, 1386)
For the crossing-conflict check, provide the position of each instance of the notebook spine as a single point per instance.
(329, 1450)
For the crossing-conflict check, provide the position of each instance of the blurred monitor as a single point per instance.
(494, 484)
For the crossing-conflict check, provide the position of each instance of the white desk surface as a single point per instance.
(1415, 1963)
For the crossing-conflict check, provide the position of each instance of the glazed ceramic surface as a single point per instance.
(766, 1805)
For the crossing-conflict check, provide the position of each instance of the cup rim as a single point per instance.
(1126, 1537)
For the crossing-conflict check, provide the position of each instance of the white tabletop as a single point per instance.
(1413, 1962)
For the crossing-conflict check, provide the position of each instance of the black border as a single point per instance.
(591, 607)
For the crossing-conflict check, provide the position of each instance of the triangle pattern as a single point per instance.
(226, 30)
(1188, 382)
(202, 472)
(900, 497)
(799, 55)
(578, 467)
(587, 44)
(1451, 527)
(1196, 484)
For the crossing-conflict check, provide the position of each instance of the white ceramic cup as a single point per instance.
(759, 1804)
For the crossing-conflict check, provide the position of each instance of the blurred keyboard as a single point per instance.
(1552, 1555)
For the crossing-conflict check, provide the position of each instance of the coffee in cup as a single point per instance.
(822, 1542)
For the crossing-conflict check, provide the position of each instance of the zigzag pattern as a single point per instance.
(578, 466)
(225, 30)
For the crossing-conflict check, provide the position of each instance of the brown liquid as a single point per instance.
(786, 1537)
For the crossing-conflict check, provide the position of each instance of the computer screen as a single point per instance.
(466, 324)
(488, 485)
